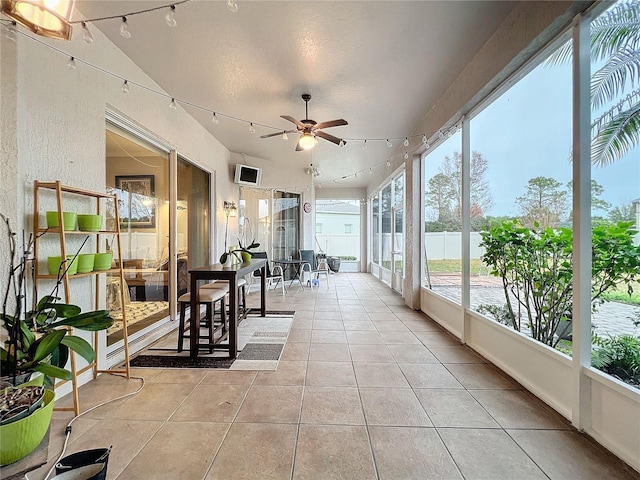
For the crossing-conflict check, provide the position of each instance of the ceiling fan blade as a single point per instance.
(326, 136)
(332, 123)
(278, 133)
(293, 120)
(271, 135)
(298, 147)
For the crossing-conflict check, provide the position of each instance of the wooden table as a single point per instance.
(231, 274)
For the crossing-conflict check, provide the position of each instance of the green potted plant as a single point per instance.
(36, 340)
(238, 253)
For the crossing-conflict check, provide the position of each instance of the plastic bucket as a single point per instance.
(95, 471)
(80, 460)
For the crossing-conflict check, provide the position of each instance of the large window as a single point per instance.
(286, 224)
(521, 189)
(442, 169)
(387, 231)
(138, 173)
(340, 235)
(615, 195)
(375, 229)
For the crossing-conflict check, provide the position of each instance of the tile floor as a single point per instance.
(365, 389)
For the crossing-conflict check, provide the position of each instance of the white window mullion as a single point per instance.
(581, 220)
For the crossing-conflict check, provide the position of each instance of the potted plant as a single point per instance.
(36, 339)
(239, 253)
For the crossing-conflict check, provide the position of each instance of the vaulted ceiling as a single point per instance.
(380, 65)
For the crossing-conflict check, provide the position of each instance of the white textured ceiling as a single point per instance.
(379, 65)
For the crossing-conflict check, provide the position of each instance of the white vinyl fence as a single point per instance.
(336, 245)
(448, 245)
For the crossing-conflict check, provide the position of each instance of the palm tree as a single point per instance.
(615, 40)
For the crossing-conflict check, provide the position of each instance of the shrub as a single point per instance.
(619, 356)
(536, 267)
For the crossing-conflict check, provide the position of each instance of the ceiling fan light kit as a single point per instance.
(46, 18)
(307, 141)
(310, 130)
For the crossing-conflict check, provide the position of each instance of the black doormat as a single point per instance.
(255, 311)
(170, 361)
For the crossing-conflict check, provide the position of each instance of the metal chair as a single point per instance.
(276, 275)
(312, 267)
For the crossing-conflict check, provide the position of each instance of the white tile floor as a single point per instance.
(365, 389)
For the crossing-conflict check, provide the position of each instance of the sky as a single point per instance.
(526, 133)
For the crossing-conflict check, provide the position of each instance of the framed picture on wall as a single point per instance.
(136, 201)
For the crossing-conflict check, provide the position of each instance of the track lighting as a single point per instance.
(233, 6)
(406, 155)
(214, 119)
(389, 144)
(125, 87)
(71, 63)
(364, 145)
(424, 139)
(284, 136)
(172, 104)
(406, 141)
(388, 163)
(251, 128)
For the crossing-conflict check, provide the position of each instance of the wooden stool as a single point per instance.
(223, 284)
(207, 297)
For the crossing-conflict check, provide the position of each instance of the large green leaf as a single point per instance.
(609, 82)
(63, 309)
(27, 336)
(91, 321)
(60, 356)
(80, 346)
(47, 344)
(53, 371)
(616, 137)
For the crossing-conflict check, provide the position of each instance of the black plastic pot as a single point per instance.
(83, 459)
(334, 264)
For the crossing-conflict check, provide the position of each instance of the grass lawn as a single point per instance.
(455, 266)
(621, 295)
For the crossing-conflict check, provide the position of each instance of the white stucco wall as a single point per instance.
(53, 128)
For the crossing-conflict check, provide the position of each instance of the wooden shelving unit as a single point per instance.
(41, 234)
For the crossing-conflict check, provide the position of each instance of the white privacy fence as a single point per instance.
(448, 245)
(336, 245)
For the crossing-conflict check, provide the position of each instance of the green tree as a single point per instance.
(544, 204)
(615, 42)
(443, 195)
(597, 203)
(622, 213)
(438, 197)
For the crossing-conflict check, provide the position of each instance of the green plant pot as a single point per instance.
(85, 262)
(89, 223)
(18, 413)
(53, 264)
(68, 218)
(23, 380)
(102, 261)
(21, 438)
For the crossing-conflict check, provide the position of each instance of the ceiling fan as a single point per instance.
(309, 129)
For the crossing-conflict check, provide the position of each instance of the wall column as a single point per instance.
(413, 229)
